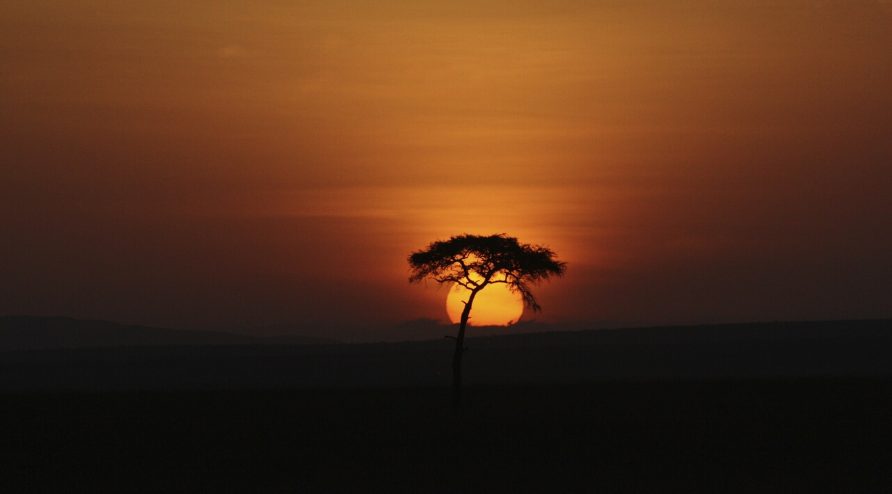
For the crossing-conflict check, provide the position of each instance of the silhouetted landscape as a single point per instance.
(84, 355)
(770, 407)
(446, 246)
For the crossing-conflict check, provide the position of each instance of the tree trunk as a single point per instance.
(459, 351)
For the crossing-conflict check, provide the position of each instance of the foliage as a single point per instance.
(475, 261)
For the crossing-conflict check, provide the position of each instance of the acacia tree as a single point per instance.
(475, 262)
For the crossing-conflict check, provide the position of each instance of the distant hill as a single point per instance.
(778, 331)
(46, 333)
(162, 359)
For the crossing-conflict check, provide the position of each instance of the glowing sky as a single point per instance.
(226, 164)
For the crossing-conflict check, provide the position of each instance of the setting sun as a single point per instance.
(495, 305)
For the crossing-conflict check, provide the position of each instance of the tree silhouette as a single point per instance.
(475, 262)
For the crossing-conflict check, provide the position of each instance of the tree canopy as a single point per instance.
(475, 261)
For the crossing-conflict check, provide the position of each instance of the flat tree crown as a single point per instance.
(475, 261)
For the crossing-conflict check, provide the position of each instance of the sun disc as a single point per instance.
(495, 305)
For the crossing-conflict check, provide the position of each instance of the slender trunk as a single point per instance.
(459, 350)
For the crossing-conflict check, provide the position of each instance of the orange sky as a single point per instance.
(227, 164)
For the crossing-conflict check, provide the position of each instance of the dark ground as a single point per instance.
(749, 435)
